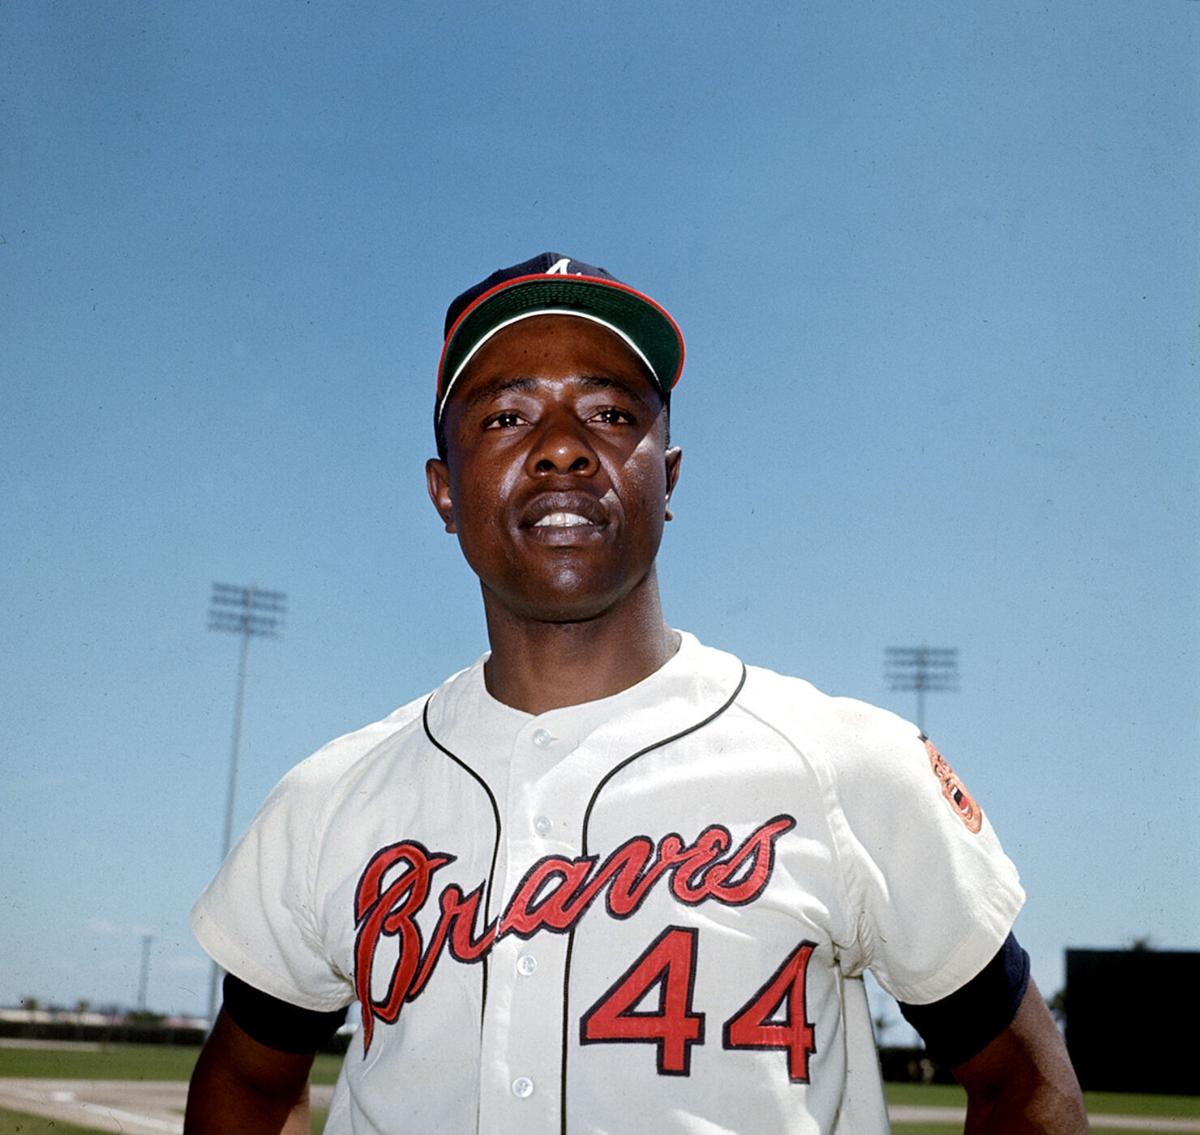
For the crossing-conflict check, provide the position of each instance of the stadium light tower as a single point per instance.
(250, 612)
(921, 668)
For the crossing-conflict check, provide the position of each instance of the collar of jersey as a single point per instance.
(692, 685)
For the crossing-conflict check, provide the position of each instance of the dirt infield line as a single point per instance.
(125, 1107)
(914, 1113)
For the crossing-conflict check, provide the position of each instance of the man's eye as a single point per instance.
(611, 416)
(504, 420)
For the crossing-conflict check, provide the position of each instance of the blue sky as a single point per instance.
(936, 265)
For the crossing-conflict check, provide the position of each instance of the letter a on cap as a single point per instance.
(559, 267)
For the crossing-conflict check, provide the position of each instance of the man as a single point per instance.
(608, 879)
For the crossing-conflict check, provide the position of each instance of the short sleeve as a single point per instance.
(257, 919)
(934, 894)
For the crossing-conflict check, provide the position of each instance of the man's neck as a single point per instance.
(537, 667)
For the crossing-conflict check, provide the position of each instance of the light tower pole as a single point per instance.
(144, 975)
(250, 612)
(921, 668)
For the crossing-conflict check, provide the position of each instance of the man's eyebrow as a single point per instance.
(601, 382)
(637, 390)
(497, 387)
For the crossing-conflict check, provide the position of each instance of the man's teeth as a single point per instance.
(563, 520)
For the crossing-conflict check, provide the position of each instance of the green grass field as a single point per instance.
(123, 1062)
(1098, 1103)
(156, 1062)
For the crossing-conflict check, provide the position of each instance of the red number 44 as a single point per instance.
(775, 1017)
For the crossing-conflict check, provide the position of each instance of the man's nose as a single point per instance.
(562, 446)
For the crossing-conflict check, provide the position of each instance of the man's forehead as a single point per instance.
(555, 347)
(482, 389)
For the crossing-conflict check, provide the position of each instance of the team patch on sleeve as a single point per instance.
(954, 790)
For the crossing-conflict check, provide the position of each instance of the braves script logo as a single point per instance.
(553, 896)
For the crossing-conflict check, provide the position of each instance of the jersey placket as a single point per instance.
(521, 1057)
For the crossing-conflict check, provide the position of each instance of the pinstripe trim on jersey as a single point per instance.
(587, 815)
(487, 895)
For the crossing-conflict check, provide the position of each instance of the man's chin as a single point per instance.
(561, 601)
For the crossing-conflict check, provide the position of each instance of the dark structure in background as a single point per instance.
(1127, 1011)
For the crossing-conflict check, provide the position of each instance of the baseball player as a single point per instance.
(608, 879)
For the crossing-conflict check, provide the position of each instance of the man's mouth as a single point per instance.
(564, 520)
(556, 511)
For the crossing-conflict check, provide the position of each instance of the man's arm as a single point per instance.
(1022, 1082)
(242, 1087)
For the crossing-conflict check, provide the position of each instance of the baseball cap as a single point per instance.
(554, 283)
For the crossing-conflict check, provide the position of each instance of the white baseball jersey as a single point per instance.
(645, 913)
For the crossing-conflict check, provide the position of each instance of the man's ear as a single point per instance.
(437, 476)
(674, 460)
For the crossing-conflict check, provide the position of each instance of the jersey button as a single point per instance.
(542, 738)
(542, 825)
(522, 1087)
(526, 964)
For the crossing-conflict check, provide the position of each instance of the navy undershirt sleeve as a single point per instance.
(278, 1024)
(962, 1025)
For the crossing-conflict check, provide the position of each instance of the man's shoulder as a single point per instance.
(348, 748)
(832, 730)
(338, 758)
(797, 704)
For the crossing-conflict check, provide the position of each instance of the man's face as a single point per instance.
(557, 473)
